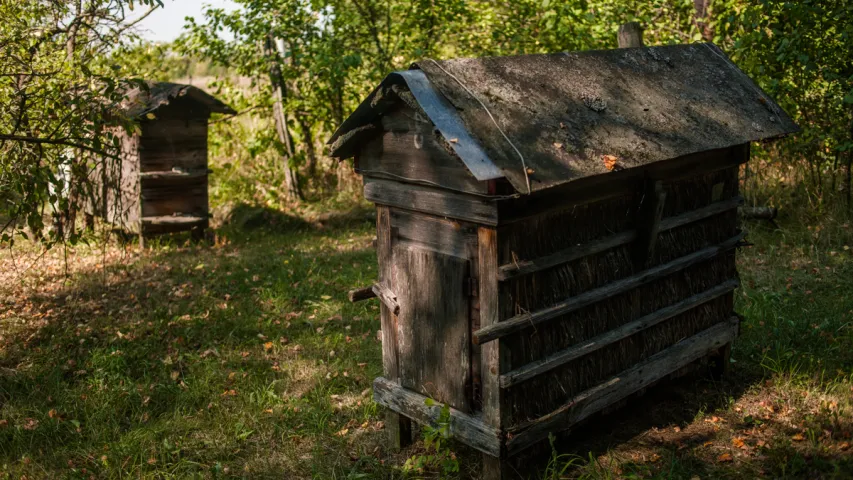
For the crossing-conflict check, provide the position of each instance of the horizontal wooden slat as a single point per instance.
(360, 294)
(565, 356)
(174, 220)
(173, 174)
(570, 254)
(431, 200)
(466, 428)
(519, 322)
(643, 374)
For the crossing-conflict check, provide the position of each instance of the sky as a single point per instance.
(165, 24)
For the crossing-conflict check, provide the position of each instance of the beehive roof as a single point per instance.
(140, 101)
(563, 113)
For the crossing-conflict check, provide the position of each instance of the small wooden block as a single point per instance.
(399, 429)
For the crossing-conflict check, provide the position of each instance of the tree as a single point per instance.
(59, 99)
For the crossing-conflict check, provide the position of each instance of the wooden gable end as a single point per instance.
(409, 149)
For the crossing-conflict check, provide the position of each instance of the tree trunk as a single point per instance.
(700, 8)
(279, 89)
(308, 142)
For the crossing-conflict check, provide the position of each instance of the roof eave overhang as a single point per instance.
(442, 114)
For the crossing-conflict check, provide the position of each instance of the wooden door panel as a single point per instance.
(433, 331)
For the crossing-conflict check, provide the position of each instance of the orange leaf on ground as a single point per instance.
(726, 457)
(798, 437)
(268, 346)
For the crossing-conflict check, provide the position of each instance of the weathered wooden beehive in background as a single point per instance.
(160, 184)
(555, 232)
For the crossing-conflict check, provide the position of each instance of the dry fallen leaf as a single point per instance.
(268, 346)
(738, 442)
(610, 162)
(798, 437)
(726, 457)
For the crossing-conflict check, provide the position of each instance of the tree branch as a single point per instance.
(54, 141)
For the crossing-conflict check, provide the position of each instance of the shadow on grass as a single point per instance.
(237, 360)
(244, 359)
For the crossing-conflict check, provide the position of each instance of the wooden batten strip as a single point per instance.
(570, 254)
(563, 357)
(172, 174)
(520, 322)
(360, 294)
(617, 388)
(387, 297)
(429, 200)
(466, 428)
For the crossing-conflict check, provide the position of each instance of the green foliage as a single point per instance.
(438, 456)
(59, 94)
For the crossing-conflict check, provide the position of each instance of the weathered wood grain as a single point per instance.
(565, 356)
(577, 252)
(443, 235)
(630, 35)
(360, 294)
(648, 222)
(387, 297)
(431, 200)
(649, 371)
(399, 428)
(519, 322)
(410, 149)
(614, 184)
(492, 359)
(433, 336)
(468, 429)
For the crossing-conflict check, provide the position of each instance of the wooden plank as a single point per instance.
(570, 254)
(443, 235)
(468, 429)
(614, 184)
(597, 398)
(519, 322)
(171, 224)
(585, 348)
(386, 296)
(431, 200)
(174, 174)
(433, 332)
(410, 149)
(648, 222)
(490, 354)
(398, 428)
(630, 35)
(360, 294)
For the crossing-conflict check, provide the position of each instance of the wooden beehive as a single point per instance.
(159, 184)
(554, 232)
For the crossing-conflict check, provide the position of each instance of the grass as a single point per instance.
(243, 359)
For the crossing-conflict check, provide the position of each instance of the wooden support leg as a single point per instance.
(197, 234)
(496, 469)
(399, 428)
(142, 241)
(89, 220)
(719, 361)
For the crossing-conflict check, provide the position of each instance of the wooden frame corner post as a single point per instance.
(494, 468)
(398, 426)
